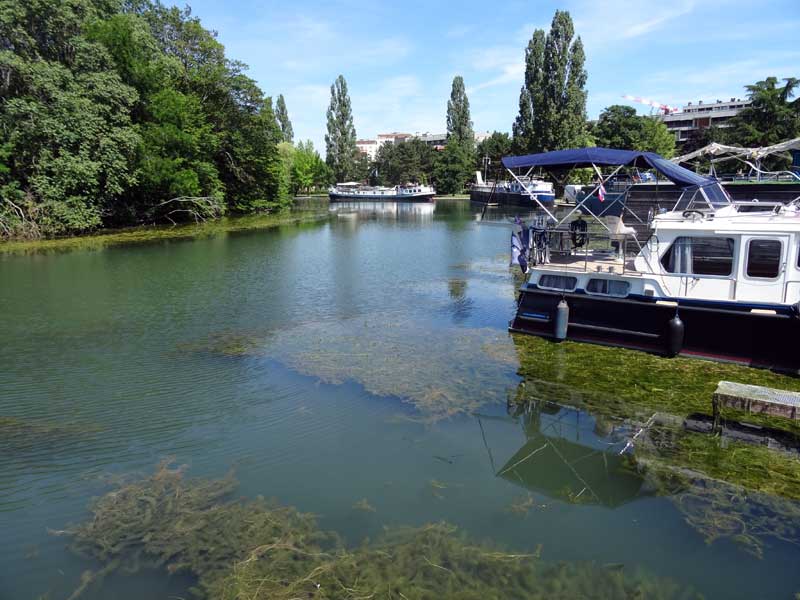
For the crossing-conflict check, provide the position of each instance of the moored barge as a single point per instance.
(356, 192)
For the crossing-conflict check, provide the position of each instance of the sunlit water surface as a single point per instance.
(360, 358)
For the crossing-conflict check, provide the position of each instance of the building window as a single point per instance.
(608, 287)
(699, 256)
(558, 282)
(763, 259)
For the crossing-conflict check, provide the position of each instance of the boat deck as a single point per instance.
(591, 263)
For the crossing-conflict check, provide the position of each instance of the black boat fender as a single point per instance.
(676, 331)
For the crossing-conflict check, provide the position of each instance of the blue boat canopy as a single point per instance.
(587, 157)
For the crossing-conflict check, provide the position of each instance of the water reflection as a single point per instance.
(461, 305)
(567, 456)
(400, 211)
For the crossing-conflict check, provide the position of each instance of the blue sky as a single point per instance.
(399, 58)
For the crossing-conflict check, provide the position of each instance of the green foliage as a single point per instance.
(620, 127)
(772, 117)
(655, 137)
(340, 141)
(527, 129)
(282, 115)
(552, 104)
(408, 161)
(115, 117)
(453, 168)
(69, 141)
(459, 124)
(496, 146)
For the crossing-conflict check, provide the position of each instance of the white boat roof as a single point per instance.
(732, 221)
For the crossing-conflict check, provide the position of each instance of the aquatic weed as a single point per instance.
(253, 550)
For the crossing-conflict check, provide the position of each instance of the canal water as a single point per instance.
(358, 368)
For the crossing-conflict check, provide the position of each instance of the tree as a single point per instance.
(459, 125)
(453, 168)
(340, 141)
(771, 117)
(114, 112)
(495, 147)
(68, 139)
(303, 167)
(655, 137)
(283, 120)
(407, 161)
(552, 104)
(525, 128)
(618, 127)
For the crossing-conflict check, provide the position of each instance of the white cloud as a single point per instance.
(510, 73)
(602, 25)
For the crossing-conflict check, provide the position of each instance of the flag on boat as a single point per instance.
(518, 252)
(601, 192)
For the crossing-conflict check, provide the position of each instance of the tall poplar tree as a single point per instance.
(459, 125)
(525, 130)
(283, 120)
(340, 141)
(552, 113)
(454, 167)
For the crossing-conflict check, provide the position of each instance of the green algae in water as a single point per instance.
(442, 373)
(157, 233)
(23, 435)
(239, 549)
(725, 489)
(626, 383)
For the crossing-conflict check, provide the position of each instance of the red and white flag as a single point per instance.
(601, 192)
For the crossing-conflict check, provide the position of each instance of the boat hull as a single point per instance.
(722, 331)
(425, 197)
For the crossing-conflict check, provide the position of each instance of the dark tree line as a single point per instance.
(117, 113)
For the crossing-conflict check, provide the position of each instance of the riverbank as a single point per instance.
(144, 234)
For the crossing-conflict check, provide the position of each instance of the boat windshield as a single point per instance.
(707, 197)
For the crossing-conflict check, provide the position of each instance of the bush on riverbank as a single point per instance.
(127, 116)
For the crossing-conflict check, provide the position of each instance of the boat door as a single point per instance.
(762, 268)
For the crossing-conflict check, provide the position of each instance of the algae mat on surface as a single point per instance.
(239, 549)
(627, 383)
(138, 235)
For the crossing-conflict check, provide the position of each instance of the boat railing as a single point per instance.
(583, 251)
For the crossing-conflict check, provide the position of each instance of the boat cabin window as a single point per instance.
(699, 256)
(558, 282)
(608, 287)
(763, 258)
